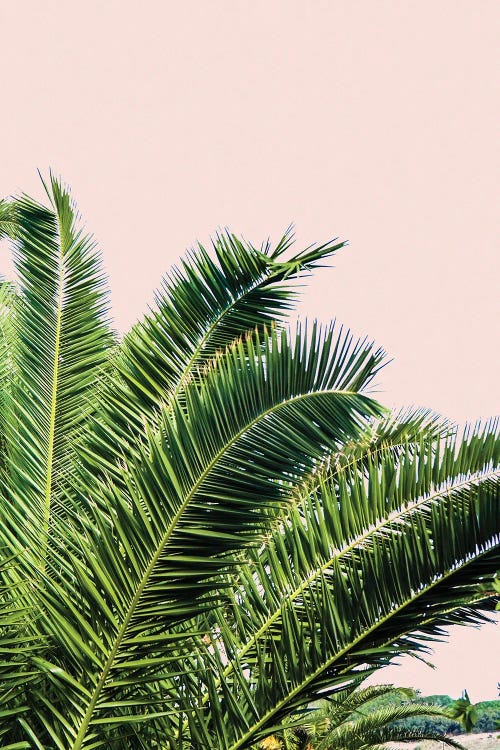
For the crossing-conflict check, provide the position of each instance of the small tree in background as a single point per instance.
(362, 718)
(464, 712)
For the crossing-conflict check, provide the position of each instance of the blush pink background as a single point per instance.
(370, 119)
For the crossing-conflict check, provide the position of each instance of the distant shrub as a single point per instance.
(488, 717)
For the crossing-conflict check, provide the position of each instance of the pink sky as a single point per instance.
(373, 120)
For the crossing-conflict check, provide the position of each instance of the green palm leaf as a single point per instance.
(62, 344)
(365, 733)
(368, 558)
(202, 307)
(351, 720)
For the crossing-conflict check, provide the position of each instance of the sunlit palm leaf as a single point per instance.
(369, 557)
(63, 340)
(202, 307)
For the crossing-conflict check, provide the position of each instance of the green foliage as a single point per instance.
(362, 718)
(439, 724)
(493, 588)
(210, 525)
(488, 714)
(464, 712)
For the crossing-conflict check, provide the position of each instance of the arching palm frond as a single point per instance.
(373, 554)
(350, 721)
(202, 307)
(372, 733)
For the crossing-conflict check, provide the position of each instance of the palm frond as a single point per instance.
(63, 339)
(349, 719)
(352, 703)
(374, 554)
(222, 527)
(361, 734)
(202, 307)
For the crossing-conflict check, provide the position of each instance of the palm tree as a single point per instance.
(464, 712)
(351, 721)
(206, 526)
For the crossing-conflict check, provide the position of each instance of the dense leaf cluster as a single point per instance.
(363, 717)
(210, 524)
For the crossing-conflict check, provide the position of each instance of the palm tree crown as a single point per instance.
(210, 524)
(353, 719)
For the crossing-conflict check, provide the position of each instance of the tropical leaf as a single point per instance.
(350, 720)
(361, 734)
(63, 340)
(372, 555)
(202, 307)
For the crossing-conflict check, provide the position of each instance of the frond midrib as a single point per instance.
(54, 393)
(62, 250)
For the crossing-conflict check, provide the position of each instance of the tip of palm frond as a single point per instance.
(45, 185)
(285, 242)
(480, 427)
(312, 255)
